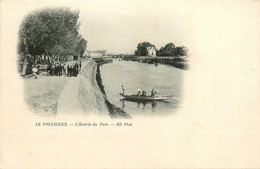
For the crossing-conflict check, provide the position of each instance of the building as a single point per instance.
(96, 54)
(151, 51)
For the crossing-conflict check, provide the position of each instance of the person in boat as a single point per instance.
(153, 92)
(143, 93)
(123, 90)
(139, 92)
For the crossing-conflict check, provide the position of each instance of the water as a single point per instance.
(165, 80)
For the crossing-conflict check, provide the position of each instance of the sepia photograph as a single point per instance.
(67, 70)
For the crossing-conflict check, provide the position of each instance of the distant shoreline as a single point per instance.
(178, 62)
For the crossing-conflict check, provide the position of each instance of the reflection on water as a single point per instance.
(164, 79)
(153, 103)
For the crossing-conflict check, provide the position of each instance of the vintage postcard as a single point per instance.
(129, 84)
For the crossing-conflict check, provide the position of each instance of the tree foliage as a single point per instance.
(168, 50)
(51, 32)
(181, 51)
(171, 50)
(142, 48)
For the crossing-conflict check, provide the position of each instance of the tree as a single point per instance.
(52, 32)
(142, 48)
(171, 50)
(81, 46)
(181, 51)
(168, 50)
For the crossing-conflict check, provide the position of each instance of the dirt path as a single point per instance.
(68, 102)
(42, 94)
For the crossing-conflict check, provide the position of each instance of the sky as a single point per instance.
(119, 26)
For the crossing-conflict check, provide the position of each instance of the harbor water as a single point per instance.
(166, 80)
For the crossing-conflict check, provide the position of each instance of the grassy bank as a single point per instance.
(42, 94)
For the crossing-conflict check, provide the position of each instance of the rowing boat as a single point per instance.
(141, 98)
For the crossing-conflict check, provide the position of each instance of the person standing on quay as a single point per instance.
(68, 70)
(80, 66)
(59, 70)
(76, 69)
(64, 69)
(73, 69)
(55, 70)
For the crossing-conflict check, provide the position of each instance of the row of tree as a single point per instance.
(51, 32)
(168, 50)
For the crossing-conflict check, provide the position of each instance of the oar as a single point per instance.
(172, 97)
(168, 96)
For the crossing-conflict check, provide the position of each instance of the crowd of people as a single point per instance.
(63, 69)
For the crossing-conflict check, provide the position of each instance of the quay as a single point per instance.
(83, 95)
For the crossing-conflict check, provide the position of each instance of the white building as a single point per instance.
(151, 51)
(97, 53)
